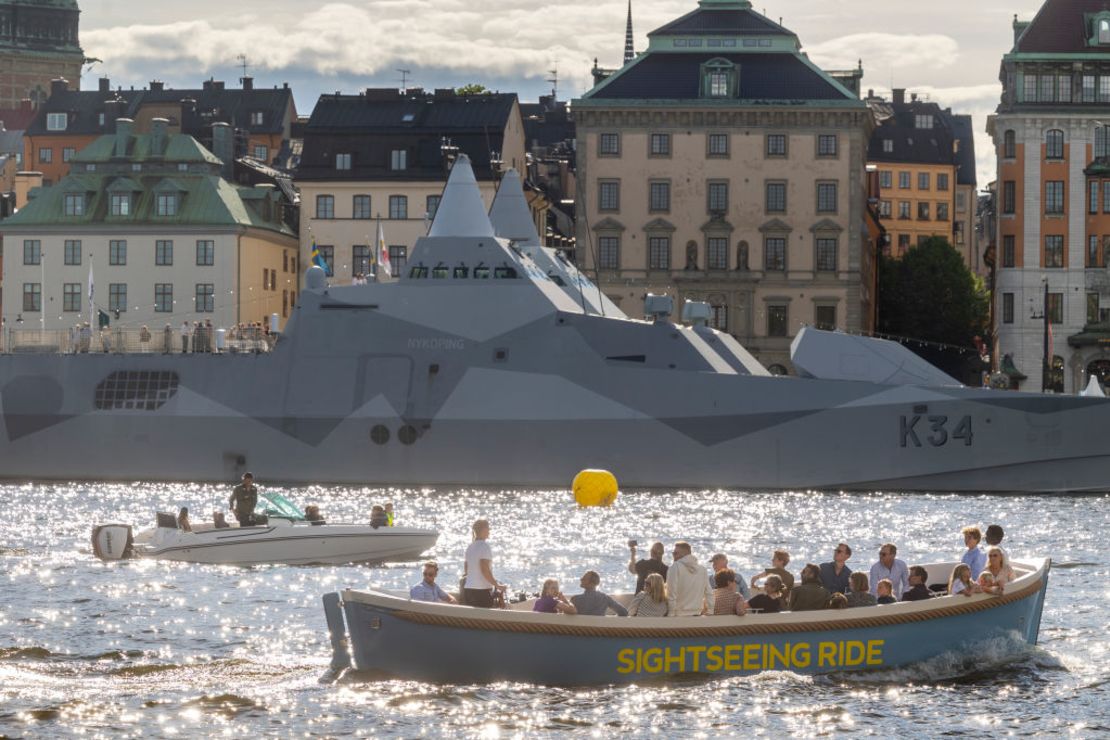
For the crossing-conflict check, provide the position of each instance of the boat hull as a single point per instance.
(464, 645)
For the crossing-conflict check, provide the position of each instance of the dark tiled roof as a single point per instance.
(1059, 27)
(414, 113)
(670, 76)
(911, 144)
(84, 108)
(723, 22)
(965, 157)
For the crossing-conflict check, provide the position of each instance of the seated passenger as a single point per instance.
(378, 517)
(389, 521)
(835, 574)
(552, 601)
(810, 595)
(860, 594)
(771, 600)
(987, 584)
(652, 601)
(885, 589)
(998, 568)
(726, 599)
(218, 520)
(974, 556)
(312, 514)
(837, 601)
(919, 588)
(428, 589)
(960, 581)
(718, 563)
(183, 520)
(779, 560)
(593, 603)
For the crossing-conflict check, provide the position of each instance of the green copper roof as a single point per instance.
(179, 148)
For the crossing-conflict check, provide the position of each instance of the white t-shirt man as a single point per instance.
(478, 551)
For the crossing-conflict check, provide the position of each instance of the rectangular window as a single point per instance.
(71, 297)
(659, 253)
(1007, 308)
(1104, 89)
(327, 254)
(163, 297)
(717, 193)
(716, 253)
(1063, 88)
(942, 211)
(73, 251)
(885, 178)
(117, 297)
(718, 84)
(1106, 196)
(206, 252)
(922, 121)
(1054, 144)
(163, 252)
(1030, 89)
(1092, 251)
(398, 207)
(609, 145)
(1009, 199)
(75, 204)
(1047, 91)
(1092, 196)
(1092, 308)
(660, 145)
(922, 180)
(257, 117)
(776, 145)
(117, 252)
(32, 252)
(776, 197)
(398, 258)
(1054, 197)
(608, 195)
(431, 205)
(206, 297)
(325, 206)
(922, 211)
(903, 180)
(120, 204)
(884, 209)
(32, 297)
(46, 155)
(360, 260)
(903, 243)
(1055, 308)
(360, 207)
(826, 255)
(68, 153)
(165, 204)
(260, 152)
(398, 159)
(826, 197)
(608, 252)
(717, 145)
(824, 318)
(56, 121)
(343, 161)
(826, 145)
(1088, 88)
(903, 209)
(942, 181)
(659, 196)
(776, 321)
(1008, 252)
(774, 254)
(1054, 251)
(718, 318)
(888, 146)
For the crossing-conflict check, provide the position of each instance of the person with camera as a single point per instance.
(643, 568)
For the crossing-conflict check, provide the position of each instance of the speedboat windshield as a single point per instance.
(274, 504)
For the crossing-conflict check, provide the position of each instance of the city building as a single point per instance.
(550, 137)
(721, 165)
(925, 157)
(384, 154)
(261, 119)
(1052, 144)
(38, 43)
(153, 222)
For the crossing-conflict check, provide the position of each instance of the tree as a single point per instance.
(930, 295)
(473, 88)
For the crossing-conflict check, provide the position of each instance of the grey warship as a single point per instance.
(492, 361)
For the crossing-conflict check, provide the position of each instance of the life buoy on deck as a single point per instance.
(595, 488)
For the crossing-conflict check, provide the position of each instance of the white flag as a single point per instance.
(92, 318)
(383, 254)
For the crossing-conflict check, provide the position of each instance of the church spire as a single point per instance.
(629, 54)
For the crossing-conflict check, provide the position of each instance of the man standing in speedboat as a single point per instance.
(688, 590)
(243, 500)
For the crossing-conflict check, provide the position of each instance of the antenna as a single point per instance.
(554, 80)
(242, 58)
(404, 80)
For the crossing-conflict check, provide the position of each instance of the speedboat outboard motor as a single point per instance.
(113, 542)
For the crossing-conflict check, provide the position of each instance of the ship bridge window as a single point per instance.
(481, 272)
(555, 279)
(440, 272)
(505, 273)
(418, 272)
(140, 390)
(462, 272)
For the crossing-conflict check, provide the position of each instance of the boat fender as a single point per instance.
(113, 542)
(595, 488)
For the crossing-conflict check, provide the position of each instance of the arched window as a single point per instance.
(1054, 144)
(719, 78)
(1009, 144)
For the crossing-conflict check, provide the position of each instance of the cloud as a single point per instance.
(885, 51)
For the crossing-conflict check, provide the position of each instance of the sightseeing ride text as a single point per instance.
(755, 656)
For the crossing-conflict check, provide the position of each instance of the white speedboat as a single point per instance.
(286, 538)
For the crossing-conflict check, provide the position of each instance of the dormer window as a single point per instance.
(166, 204)
(56, 121)
(120, 204)
(1104, 31)
(75, 204)
(718, 78)
(257, 117)
(1098, 25)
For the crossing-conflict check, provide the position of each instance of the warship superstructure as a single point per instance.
(490, 363)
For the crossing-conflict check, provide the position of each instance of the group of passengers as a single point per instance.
(687, 588)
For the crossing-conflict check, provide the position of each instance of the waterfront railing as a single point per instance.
(134, 341)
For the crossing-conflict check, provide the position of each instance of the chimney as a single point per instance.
(157, 86)
(58, 85)
(222, 147)
(124, 127)
(218, 85)
(913, 97)
(898, 95)
(248, 82)
(158, 128)
(105, 84)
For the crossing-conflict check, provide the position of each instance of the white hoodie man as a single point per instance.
(688, 592)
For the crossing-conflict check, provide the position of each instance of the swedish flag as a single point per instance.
(318, 259)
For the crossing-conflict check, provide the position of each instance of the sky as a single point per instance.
(948, 51)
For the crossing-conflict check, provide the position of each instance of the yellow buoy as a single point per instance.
(595, 488)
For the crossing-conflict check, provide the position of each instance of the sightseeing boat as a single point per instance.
(460, 644)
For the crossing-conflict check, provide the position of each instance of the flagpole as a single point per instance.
(42, 295)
